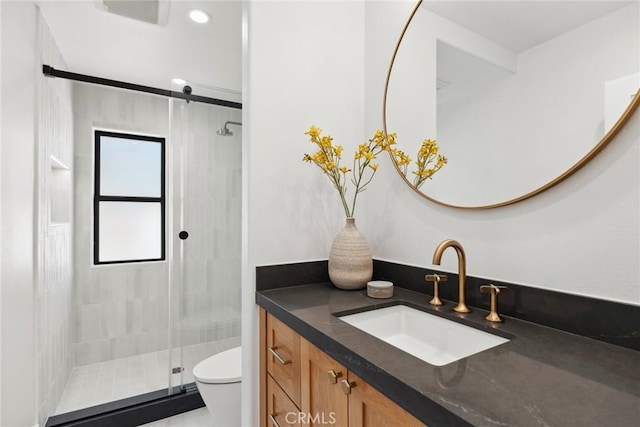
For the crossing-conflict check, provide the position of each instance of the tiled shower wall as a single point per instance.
(122, 309)
(54, 302)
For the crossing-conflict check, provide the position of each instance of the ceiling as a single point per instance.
(520, 25)
(96, 42)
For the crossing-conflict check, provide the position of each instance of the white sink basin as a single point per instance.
(431, 338)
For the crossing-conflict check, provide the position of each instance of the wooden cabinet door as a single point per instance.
(370, 408)
(323, 401)
(280, 409)
(283, 357)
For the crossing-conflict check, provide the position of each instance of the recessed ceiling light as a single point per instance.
(178, 81)
(199, 16)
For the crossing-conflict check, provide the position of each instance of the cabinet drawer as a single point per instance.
(281, 411)
(283, 357)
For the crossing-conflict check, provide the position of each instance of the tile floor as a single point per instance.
(197, 418)
(103, 382)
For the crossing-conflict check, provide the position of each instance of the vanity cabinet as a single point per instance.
(322, 392)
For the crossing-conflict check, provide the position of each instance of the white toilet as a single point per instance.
(218, 379)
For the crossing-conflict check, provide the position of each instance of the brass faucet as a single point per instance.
(462, 271)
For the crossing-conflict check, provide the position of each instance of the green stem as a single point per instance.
(367, 183)
(345, 206)
(335, 177)
(357, 184)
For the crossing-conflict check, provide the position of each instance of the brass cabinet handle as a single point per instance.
(279, 358)
(272, 418)
(333, 376)
(347, 386)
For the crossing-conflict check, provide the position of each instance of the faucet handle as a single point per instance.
(494, 291)
(436, 279)
(490, 288)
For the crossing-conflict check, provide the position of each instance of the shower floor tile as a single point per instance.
(98, 383)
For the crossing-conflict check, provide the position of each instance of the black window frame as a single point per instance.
(97, 197)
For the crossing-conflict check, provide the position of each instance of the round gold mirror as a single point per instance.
(518, 95)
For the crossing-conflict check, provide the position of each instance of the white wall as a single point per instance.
(18, 370)
(580, 237)
(54, 293)
(1, 223)
(304, 65)
(37, 114)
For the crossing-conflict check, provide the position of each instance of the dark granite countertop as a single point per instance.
(541, 377)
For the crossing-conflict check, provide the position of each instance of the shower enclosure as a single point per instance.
(156, 196)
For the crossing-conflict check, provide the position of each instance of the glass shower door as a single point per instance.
(119, 290)
(206, 223)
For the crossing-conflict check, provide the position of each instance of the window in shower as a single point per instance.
(129, 198)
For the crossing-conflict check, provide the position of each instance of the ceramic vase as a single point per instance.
(350, 258)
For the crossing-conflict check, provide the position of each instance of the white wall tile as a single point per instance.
(54, 299)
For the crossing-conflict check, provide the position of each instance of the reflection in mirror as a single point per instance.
(515, 93)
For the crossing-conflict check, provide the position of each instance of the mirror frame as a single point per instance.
(624, 118)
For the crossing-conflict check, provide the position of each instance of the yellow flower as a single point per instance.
(401, 158)
(313, 132)
(328, 159)
(362, 150)
(429, 148)
(383, 141)
(427, 155)
(379, 137)
(391, 139)
(424, 174)
(320, 157)
(325, 141)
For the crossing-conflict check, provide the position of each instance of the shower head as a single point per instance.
(224, 131)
